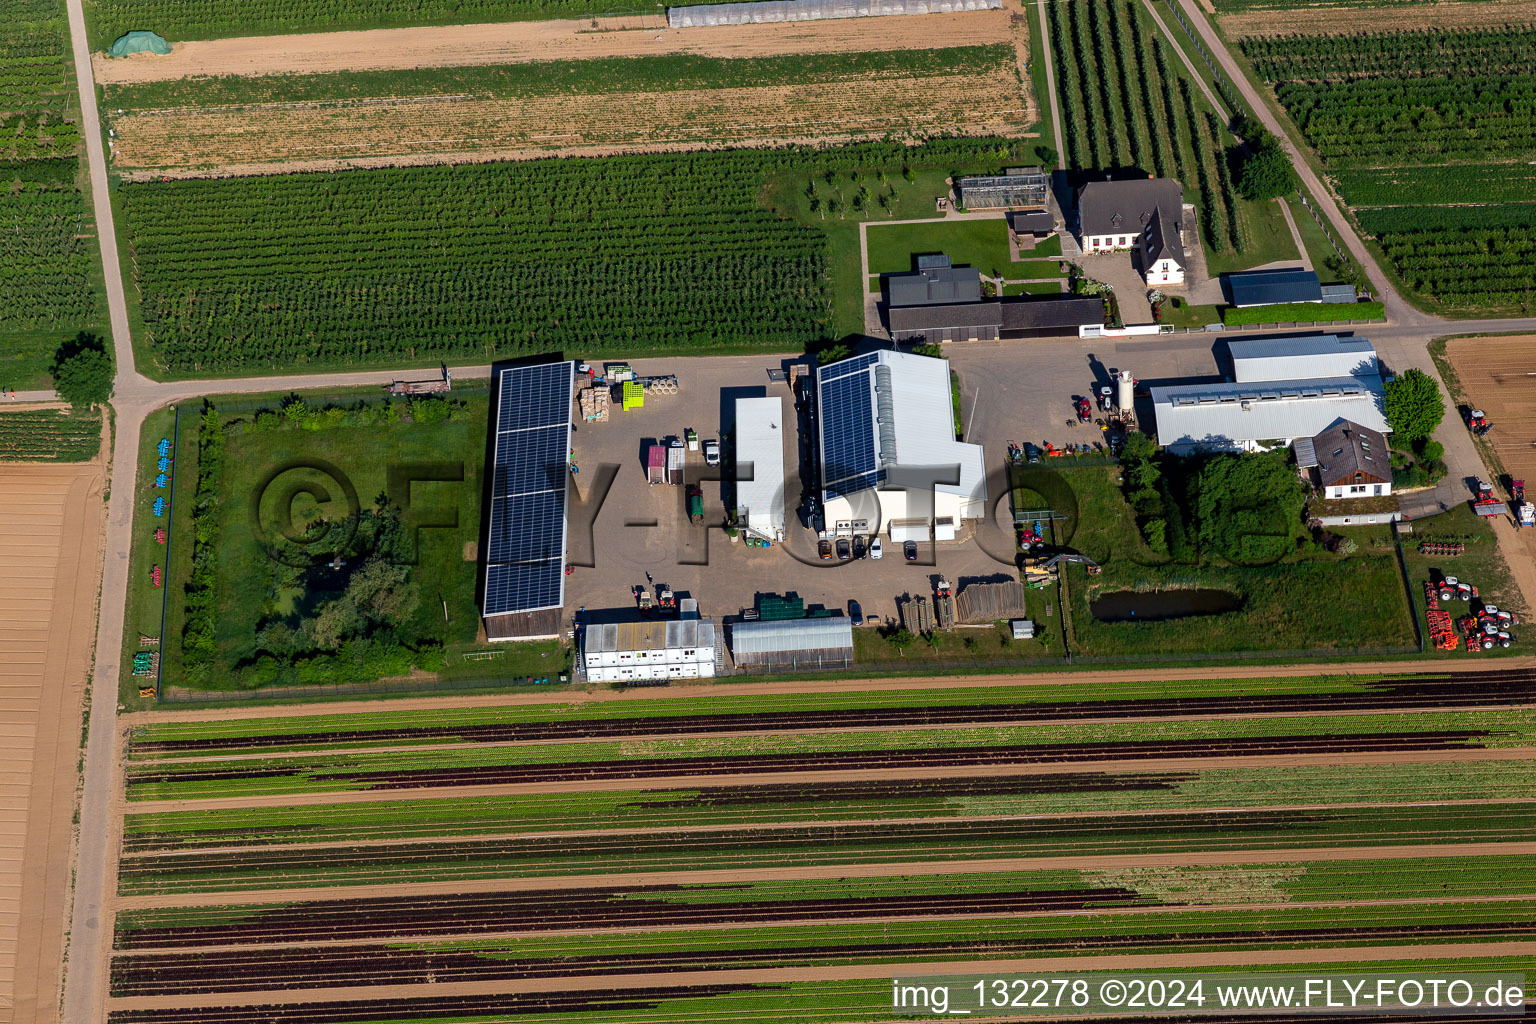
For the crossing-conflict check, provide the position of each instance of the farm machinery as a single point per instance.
(1485, 627)
(1084, 410)
(1485, 504)
(1477, 422)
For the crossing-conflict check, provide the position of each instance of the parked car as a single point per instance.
(824, 549)
(855, 613)
(876, 549)
(858, 546)
(910, 550)
(844, 552)
(712, 453)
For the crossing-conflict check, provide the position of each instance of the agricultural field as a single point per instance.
(646, 834)
(1432, 168)
(522, 111)
(1241, 19)
(48, 267)
(610, 256)
(1128, 104)
(48, 435)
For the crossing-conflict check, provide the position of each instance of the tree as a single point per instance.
(1248, 504)
(1265, 172)
(82, 371)
(383, 591)
(1414, 406)
(832, 353)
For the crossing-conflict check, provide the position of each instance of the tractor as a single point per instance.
(1084, 410)
(1477, 422)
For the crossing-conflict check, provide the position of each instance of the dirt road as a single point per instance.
(521, 41)
(50, 551)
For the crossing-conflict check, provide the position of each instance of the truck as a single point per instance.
(695, 505)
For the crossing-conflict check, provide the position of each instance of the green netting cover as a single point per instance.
(138, 42)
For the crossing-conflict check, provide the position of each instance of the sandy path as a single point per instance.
(703, 876)
(1450, 756)
(849, 972)
(1308, 20)
(705, 692)
(341, 747)
(50, 543)
(813, 922)
(520, 41)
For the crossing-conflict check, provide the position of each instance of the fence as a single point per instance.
(1222, 85)
(1345, 261)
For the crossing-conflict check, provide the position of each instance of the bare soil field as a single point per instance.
(1400, 16)
(318, 136)
(516, 42)
(50, 542)
(1498, 375)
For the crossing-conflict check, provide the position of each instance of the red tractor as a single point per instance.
(1477, 422)
(1084, 410)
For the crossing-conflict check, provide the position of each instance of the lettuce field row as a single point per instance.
(841, 843)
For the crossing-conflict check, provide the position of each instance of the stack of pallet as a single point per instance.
(594, 404)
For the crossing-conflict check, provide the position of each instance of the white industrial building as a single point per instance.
(1282, 389)
(760, 445)
(616, 652)
(887, 449)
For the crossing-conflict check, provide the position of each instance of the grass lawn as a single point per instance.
(1319, 249)
(1056, 287)
(1179, 313)
(142, 611)
(25, 358)
(1309, 600)
(1269, 240)
(982, 244)
(263, 464)
(1482, 565)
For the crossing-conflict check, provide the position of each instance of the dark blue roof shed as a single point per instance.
(1272, 287)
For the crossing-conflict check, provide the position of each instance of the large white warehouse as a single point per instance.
(760, 444)
(889, 458)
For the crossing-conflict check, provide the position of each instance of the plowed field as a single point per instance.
(1317, 20)
(437, 128)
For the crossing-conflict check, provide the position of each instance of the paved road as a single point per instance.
(1402, 342)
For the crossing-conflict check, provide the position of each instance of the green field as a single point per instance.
(1303, 312)
(49, 268)
(1428, 136)
(612, 256)
(48, 435)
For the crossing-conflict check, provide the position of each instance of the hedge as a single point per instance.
(1302, 312)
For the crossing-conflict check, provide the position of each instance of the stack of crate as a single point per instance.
(594, 404)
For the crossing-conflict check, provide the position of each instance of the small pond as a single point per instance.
(1156, 605)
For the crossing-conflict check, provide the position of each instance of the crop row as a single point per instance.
(244, 733)
(867, 800)
(1204, 929)
(596, 76)
(48, 435)
(668, 251)
(704, 756)
(501, 725)
(818, 1002)
(590, 853)
(914, 896)
(1438, 183)
(1473, 267)
(1423, 53)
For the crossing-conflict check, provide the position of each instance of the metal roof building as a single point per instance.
(933, 286)
(1273, 287)
(964, 321)
(1302, 357)
(1040, 316)
(759, 441)
(1237, 417)
(887, 448)
(676, 649)
(825, 642)
(759, 11)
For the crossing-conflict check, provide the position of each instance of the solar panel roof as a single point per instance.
(525, 553)
(848, 457)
